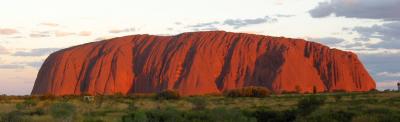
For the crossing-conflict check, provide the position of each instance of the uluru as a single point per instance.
(196, 63)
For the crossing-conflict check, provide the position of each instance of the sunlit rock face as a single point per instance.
(200, 63)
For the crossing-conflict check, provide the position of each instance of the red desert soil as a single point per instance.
(200, 63)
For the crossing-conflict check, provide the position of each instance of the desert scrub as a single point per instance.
(62, 110)
(199, 103)
(27, 104)
(264, 114)
(175, 115)
(310, 103)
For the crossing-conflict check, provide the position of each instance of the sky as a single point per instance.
(30, 30)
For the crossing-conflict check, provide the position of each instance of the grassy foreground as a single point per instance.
(342, 107)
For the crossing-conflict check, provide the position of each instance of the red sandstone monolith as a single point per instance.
(200, 63)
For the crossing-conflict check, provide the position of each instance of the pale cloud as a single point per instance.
(36, 52)
(234, 23)
(21, 65)
(389, 33)
(238, 23)
(284, 15)
(205, 24)
(122, 30)
(330, 41)
(379, 63)
(35, 64)
(369, 9)
(389, 74)
(11, 66)
(103, 38)
(178, 23)
(3, 50)
(50, 24)
(374, 51)
(85, 33)
(40, 34)
(8, 31)
(62, 33)
(383, 85)
(17, 37)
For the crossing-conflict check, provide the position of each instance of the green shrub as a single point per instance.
(199, 103)
(138, 116)
(14, 116)
(132, 106)
(29, 103)
(328, 116)
(337, 97)
(168, 95)
(248, 92)
(174, 115)
(220, 115)
(267, 115)
(365, 118)
(167, 115)
(38, 111)
(62, 110)
(309, 103)
(384, 114)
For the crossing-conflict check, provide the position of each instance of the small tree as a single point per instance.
(297, 88)
(168, 94)
(314, 89)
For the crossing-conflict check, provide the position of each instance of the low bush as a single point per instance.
(14, 116)
(199, 103)
(267, 115)
(383, 114)
(337, 97)
(29, 103)
(174, 115)
(3, 97)
(47, 97)
(328, 116)
(70, 97)
(138, 116)
(62, 110)
(168, 95)
(132, 106)
(309, 103)
(248, 92)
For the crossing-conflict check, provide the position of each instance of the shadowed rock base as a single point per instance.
(200, 63)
